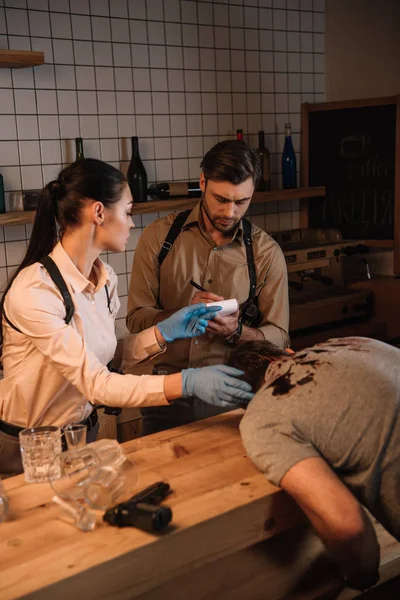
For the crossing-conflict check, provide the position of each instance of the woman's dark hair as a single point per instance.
(254, 358)
(233, 161)
(61, 203)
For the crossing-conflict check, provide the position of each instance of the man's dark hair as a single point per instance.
(233, 161)
(254, 358)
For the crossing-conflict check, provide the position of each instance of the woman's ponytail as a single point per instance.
(44, 232)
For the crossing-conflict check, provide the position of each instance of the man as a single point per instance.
(325, 427)
(210, 250)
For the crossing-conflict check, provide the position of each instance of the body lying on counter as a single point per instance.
(325, 426)
(234, 534)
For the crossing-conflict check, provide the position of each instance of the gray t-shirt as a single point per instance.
(339, 400)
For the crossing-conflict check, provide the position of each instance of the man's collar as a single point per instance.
(74, 277)
(196, 218)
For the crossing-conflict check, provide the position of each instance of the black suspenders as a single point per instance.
(56, 276)
(250, 312)
(58, 279)
(250, 258)
(172, 234)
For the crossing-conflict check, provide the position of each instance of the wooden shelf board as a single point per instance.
(18, 217)
(19, 59)
(259, 197)
(155, 206)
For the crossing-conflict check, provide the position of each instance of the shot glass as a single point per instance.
(40, 447)
(75, 435)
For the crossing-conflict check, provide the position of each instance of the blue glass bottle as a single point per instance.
(289, 178)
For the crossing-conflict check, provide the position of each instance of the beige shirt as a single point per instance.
(219, 269)
(53, 371)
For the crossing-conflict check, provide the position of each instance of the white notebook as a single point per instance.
(228, 307)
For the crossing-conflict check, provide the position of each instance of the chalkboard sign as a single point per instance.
(351, 149)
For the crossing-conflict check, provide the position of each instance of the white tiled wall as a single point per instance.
(180, 74)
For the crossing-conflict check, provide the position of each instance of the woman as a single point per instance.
(55, 370)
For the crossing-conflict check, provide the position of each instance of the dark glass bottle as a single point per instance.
(175, 189)
(289, 178)
(137, 177)
(2, 198)
(265, 181)
(79, 155)
(239, 135)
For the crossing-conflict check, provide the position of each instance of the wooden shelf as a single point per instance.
(18, 217)
(20, 59)
(155, 206)
(258, 198)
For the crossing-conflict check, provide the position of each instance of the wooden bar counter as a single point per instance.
(234, 535)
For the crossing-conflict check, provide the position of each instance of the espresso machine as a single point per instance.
(318, 292)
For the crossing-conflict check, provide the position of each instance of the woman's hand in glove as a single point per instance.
(218, 385)
(187, 322)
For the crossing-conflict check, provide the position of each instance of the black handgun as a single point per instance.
(143, 510)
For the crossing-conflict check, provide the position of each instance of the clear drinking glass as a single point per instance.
(95, 477)
(69, 478)
(40, 447)
(75, 435)
(111, 485)
(109, 452)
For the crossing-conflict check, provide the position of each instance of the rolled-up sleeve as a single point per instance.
(37, 310)
(273, 296)
(139, 348)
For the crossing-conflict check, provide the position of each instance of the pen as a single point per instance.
(197, 286)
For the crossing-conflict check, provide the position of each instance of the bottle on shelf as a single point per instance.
(289, 178)
(79, 155)
(175, 189)
(2, 196)
(239, 135)
(137, 176)
(265, 181)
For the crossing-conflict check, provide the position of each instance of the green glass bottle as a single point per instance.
(79, 149)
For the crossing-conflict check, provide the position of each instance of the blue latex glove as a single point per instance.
(187, 322)
(217, 385)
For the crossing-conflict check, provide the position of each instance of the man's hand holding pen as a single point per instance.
(205, 297)
(224, 326)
